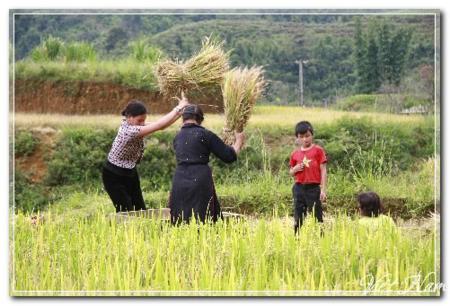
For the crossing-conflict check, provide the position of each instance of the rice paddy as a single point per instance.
(262, 116)
(98, 255)
(77, 247)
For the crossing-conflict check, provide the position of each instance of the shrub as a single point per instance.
(24, 143)
(79, 155)
(28, 196)
(357, 103)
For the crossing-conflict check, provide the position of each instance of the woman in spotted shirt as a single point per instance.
(120, 177)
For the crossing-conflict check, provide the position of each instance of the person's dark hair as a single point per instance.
(193, 111)
(302, 127)
(370, 204)
(134, 108)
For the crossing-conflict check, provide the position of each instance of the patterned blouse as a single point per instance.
(127, 148)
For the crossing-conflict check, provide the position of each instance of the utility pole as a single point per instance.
(300, 80)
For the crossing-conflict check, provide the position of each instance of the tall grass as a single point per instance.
(97, 255)
(142, 52)
(50, 49)
(79, 52)
(53, 49)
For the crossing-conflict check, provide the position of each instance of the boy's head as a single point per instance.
(369, 204)
(304, 133)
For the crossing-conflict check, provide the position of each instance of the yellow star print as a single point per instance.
(306, 161)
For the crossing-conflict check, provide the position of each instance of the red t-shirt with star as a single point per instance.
(312, 158)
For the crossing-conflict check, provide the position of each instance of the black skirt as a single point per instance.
(193, 194)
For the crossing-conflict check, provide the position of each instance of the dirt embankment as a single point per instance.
(35, 164)
(86, 97)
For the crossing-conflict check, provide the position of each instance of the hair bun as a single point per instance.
(134, 108)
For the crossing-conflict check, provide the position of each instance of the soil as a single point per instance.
(87, 97)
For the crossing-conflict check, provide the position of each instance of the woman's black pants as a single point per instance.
(124, 190)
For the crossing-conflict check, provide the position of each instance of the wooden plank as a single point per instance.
(162, 213)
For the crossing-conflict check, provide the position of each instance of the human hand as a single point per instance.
(239, 141)
(183, 102)
(298, 167)
(240, 137)
(323, 196)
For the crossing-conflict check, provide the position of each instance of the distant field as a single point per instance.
(263, 116)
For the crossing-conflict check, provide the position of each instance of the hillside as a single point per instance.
(274, 41)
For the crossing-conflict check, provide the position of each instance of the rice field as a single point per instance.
(101, 255)
(78, 247)
(262, 116)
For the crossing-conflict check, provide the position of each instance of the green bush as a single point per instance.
(357, 103)
(396, 145)
(24, 143)
(411, 101)
(158, 163)
(79, 156)
(360, 147)
(391, 103)
(28, 196)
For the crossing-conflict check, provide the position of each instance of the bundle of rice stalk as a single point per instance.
(241, 88)
(204, 69)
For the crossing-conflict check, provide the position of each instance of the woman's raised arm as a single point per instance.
(166, 120)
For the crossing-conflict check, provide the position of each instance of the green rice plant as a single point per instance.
(101, 255)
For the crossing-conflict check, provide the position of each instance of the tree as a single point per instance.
(373, 72)
(115, 37)
(360, 58)
(380, 57)
(384, 52)
(399, 53)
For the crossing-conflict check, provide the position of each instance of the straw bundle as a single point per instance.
(205, 69)
(241, 88)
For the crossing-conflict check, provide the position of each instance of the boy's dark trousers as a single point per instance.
(306, 198)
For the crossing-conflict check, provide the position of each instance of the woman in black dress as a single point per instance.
(193, 193)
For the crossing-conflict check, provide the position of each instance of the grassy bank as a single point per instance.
(392, 155)
(129, 72)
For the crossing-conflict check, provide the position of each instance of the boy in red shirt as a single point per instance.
(308, 167)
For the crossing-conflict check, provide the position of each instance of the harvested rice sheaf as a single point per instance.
(203, 70)
(241, 89)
